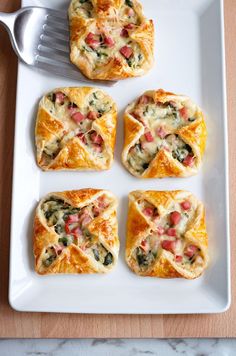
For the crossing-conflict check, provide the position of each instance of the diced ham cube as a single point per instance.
(102, 202)
(188, 161)
(148, 136)
(184, 113)
(190, 250)
(72, 219)
(171, 231)
(148, 211)
(85, 219)
(185, 205)
(108, 41)
(72, 110)
(160, 230)
(92, 40)
(161, 132)
(178, 258)
(97, 148)
(124, 33)
(76, 231)
(131, 12)
(144, 244)
(96, 211)
(96, 138)
(175, 217)
(58, 249)
(126, 51)
(129, 26)
(78, 117)
(92, 115)
(82, 137)
(168, 245)
(60, 97)
(144, 99)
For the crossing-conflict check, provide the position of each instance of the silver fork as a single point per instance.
(40, 38)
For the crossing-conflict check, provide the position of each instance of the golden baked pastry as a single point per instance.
(165, 136)
(166, 234)
(110, 39)
(76, 129)
(76, 232)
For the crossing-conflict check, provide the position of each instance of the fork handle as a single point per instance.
(7, 20)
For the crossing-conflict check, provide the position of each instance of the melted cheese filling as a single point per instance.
(152, 246)
(165, 117)
(70, 224)
(96, 102)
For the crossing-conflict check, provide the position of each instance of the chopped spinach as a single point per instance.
(191, 119)
(95, 96)
(49, 260)
(145, 165)
(52, 97)
(108, 259)
(129, 3)
(96, 254)
(83, 1)
(100, 54)
(58, 229)
(65, 241)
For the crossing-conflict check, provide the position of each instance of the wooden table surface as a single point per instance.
(45, 325)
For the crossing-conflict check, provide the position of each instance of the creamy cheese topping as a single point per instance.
(168, 233)
(77, 121)
(160, 122)
(71, 226)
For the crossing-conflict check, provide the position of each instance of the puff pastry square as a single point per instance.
(76, 130)
(165, 136)
(110, 39)
(76, 232)
(166, 234)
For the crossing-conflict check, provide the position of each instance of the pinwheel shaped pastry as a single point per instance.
(76, 130)
(165, 136)
(166, 234)
(110, 39)
(76, 232)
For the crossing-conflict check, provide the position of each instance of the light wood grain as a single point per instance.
(33, 325)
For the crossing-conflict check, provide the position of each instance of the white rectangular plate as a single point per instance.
(190, 60)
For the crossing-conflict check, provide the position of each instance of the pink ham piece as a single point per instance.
(92, 115)
(72, 110)
(148, 211)
(58, 249)
(77, 117)
(178, 258)
(76, 231)
(60, 97)
(175, 217)
(130, 26)
(96, 211)
(97, 148)
(144, 99)
(171, 231)
(148, 136)
(168, 245)
(160, 230)
(185, 205)
(184, 113)
(85, 219)
(124, 33)
(161, 132)
(102, 202)
(108, 41)
(190, 251)
(92, 41)
(188, 161)
(126, 51)
(72, 219)
(96, 138)
(131, 12)
(82, 137)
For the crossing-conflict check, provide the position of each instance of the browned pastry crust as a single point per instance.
(76, 130)
(101, 31)
(164, 244)
(165, 136)
(76, 232)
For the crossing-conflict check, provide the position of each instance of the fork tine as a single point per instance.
(53, 33)
(54, 54)
(56, 43)
(57, 14)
